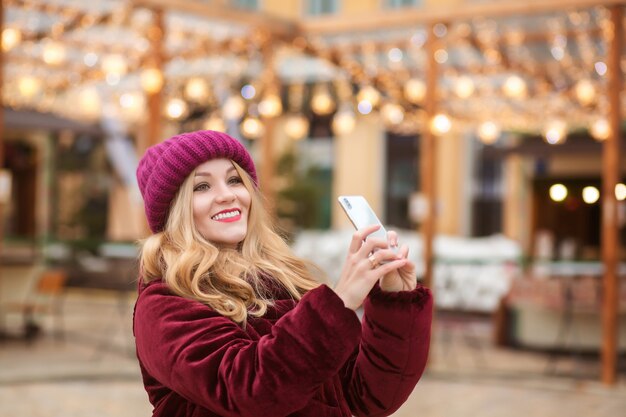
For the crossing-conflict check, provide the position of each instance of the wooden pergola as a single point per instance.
(302, 35)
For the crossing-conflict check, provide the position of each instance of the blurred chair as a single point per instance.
(44, 298)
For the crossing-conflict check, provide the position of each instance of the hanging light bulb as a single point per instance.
(248, 92)
(591, 195)
(215, 122)
(558, 192)
(29, 86)
(297, 126)
(54, 53)
(89, 102)
(114, 64)
(322, 103)
(369, 94)
(151, 80)
(620, 191)
(600, 129)
(234, 108)
(197, 89)
(271, 105)
(393, 114)
(252, 128)
(440, 124)
(464, 87)
(11, 37)
(176, 108)
(415, 90)
(515, 87)
(488, 132)
(585, 92)
(133, 105)
(344, 121)
(555, 132)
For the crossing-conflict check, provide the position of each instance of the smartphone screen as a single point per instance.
(361, 214)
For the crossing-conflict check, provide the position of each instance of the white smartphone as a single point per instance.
(361, 214)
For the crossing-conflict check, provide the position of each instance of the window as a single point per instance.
(395, 4)
(319, 7)
(402, 178)
(246, 4)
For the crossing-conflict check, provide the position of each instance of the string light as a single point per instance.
(600, 129)
(555, 132)
(252, 128)
(415, 90)
(297, 126)
(488, 132)
(176, 108)
(591, 195)
(558, 192)
(344, 121)
(11, 37)
(197, 89)
(440, 124)
(151, 80)
(620, 191)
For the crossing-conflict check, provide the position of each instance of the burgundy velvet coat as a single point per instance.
(308, 358)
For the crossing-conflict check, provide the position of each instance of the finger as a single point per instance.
(385, 255)
(383, 270)
(372, 244)
(359, 236)
(392, 238)
(404, 251)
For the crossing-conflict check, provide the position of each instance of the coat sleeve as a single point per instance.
(214, 363)
(393, 351)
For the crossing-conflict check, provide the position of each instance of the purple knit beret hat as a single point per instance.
(165, 166)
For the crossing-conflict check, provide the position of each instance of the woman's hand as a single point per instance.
(403, 278)
(368, 261)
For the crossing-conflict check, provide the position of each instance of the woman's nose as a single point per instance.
(224, 193)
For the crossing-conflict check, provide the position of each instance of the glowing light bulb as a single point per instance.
(515, 87)
(591, 195)
(344, 122)
(176, 108)
(297, 126)
(600, 129)
(197, 89)
(415, 90)
(440, 124)
(488, 132)
(252, 127)
(151, 80)
(558, 192)
(11, 37)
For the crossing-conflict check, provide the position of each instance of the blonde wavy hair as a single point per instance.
(234, 282)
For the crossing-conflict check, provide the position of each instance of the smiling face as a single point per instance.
(221, 203)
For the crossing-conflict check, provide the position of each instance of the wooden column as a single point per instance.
(268, 161)
(1, 120)
(610, 177)
(428, 154)
(156, 36)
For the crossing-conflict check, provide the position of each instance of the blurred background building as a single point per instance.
(488, 133)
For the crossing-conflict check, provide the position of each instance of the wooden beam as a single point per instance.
(155, 99)
(398, 18)
(216, 11)
(610, 177)
(1, 122)
(428, 156)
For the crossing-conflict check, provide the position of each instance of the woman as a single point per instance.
(229, 322)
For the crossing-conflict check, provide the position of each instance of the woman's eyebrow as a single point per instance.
(208, 174)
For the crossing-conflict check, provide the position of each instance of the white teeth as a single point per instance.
(226, 215)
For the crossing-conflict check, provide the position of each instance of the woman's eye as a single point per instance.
(235, 180)
(201, 187)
